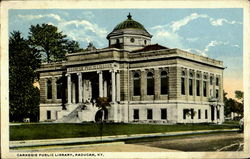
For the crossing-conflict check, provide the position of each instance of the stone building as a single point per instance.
(144, 82)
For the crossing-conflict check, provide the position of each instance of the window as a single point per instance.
(204, 88)
(192, 113)
(59, 89)
(191, 87)
(217, 93)
(150, 83)
(199, 114)
(183, 73)
(205, 77)
(198, 87)
(137, 85)
(191, 74)
(145, 42)
(217, 81)
(117, 41)
(211, 80)
(136, 114)
(163, 114)
(185, 112)
(149, 114)
(48, 114)
(206, 114)
(49, 89)
(218, 114)
(183, 86)
(164, 82)
(198, 75)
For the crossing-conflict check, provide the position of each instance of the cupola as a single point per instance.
(129, 35)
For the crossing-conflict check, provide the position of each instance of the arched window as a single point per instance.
(211, 80)
(49, 89)
(137, 85)
(205, 83)
(164, 82)
(183, 86)
(150, 83)
(191, 83)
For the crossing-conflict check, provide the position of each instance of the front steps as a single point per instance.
(77, 113)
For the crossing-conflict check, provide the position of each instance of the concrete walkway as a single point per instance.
(94, 140)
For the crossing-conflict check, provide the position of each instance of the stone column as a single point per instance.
(69, 88)
(222, 114)
(214, 90)
(105, 90)
(100, 83)
(201, 86)
(73, 92)
(79, 87)
(113, 85)
(215, 113)
(143, 84)
(118, 87)
(84, 91)
(54, 91)
(157, 83)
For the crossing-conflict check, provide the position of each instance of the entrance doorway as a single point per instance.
(99, 115)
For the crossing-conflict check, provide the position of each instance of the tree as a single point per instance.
(232, 105)
(24, 97)
(73, 46)
(50, 43)
(102, 103)
(227, 107)
(240, 105)
(239, 95)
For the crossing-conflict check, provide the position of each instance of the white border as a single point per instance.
(53, 4)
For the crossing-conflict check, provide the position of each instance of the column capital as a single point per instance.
(79, 73)
(67, 74)
(113, 70)
(99, 71)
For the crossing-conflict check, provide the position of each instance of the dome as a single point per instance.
(129, 24)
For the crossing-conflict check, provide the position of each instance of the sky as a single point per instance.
(214, 33)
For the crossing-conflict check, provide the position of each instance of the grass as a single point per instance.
(63, 130)
(236, 122)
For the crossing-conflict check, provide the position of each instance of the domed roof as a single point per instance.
(129, 23)
(129, 26)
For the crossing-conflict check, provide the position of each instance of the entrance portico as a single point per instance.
(86, 86)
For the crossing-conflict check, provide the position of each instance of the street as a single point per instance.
(210, 142)
(232, 141)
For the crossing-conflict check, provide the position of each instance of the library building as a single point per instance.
(143, 82)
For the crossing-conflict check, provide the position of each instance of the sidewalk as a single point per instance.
(94, 140)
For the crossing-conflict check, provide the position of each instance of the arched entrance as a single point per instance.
(99, 115)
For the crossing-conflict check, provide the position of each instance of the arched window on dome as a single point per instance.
(150, 83)
(164, 82)
(137, 84)
(117, 41)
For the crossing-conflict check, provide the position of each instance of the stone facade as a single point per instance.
(152, 84)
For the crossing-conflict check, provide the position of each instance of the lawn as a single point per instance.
(63, 130)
